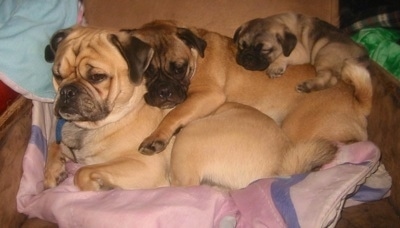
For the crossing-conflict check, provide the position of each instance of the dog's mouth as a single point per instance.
(165, 95)
(251, 60)
(74, 103)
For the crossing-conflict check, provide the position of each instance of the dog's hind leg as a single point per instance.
(325, 78)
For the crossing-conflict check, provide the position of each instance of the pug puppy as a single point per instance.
(274, 42)
(98, 75)
(212, 77)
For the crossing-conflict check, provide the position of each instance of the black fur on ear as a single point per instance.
(236, 35)
(137, 54)
(50, 50)
(288, 42)
(192, 40)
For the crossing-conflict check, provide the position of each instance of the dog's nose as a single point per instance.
(165, 92)
(69, 91)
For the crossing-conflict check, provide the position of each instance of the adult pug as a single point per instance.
(98, 75)
(206, 60)
(99, 84)
(274, 42)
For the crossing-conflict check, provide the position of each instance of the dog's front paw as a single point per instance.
(54, 172)
(54, 178)
(88, 179)
(276, 70)
(152, 145)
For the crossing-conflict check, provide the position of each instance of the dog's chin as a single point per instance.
(163, 103)
(76, 113)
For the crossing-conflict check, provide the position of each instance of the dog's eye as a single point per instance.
(267, 51)
(57, 76)
(97, 78)
(179, 70)
(258, 47)
(244, 45)
(151, 71)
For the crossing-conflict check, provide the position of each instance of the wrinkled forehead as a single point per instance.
(165, 42)
(260, 31)
(85, 46)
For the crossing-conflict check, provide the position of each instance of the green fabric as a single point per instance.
(383, 47)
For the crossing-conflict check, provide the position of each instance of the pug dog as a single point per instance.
(98, 75)
(212, 77)
(271, 44)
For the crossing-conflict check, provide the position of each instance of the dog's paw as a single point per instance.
(303, 87)
(152, 145)
(87, 179)
(276, 70)
(54, 174)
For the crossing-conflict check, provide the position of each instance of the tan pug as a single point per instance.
(209, 65)
(274, 42)
(98, 76)
(100, 93)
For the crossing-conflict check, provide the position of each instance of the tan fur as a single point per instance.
(336, 114)
(107, 149)
(237, 145)
(317, 42)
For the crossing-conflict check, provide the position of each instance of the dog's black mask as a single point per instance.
(166, 88)
(168, 79)
(251, 58)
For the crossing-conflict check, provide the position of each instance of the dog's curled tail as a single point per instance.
(308, 156)
(355, 73)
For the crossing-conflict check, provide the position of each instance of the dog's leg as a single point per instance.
(126, 173)
(277, 67)
(198, 104)
(325, 78)
(54, 172)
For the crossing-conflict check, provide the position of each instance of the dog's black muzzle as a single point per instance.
(166, 94)
(251, 59)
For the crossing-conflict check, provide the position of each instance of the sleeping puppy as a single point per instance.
(205, 63)
(274, 42)
(100, 93)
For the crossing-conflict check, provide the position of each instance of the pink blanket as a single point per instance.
(306, 200)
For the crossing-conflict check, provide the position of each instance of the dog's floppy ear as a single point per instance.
(192, 40)
(136, 53)
(236, 35)
(288, 42)
(50, 50)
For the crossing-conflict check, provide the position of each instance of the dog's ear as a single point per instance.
(288, 42)
(136, 53)
(50, 50)
(236, 35)
(192, 40)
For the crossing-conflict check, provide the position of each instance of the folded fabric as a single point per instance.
(312, 199)
(25, 29)
(383, 46)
